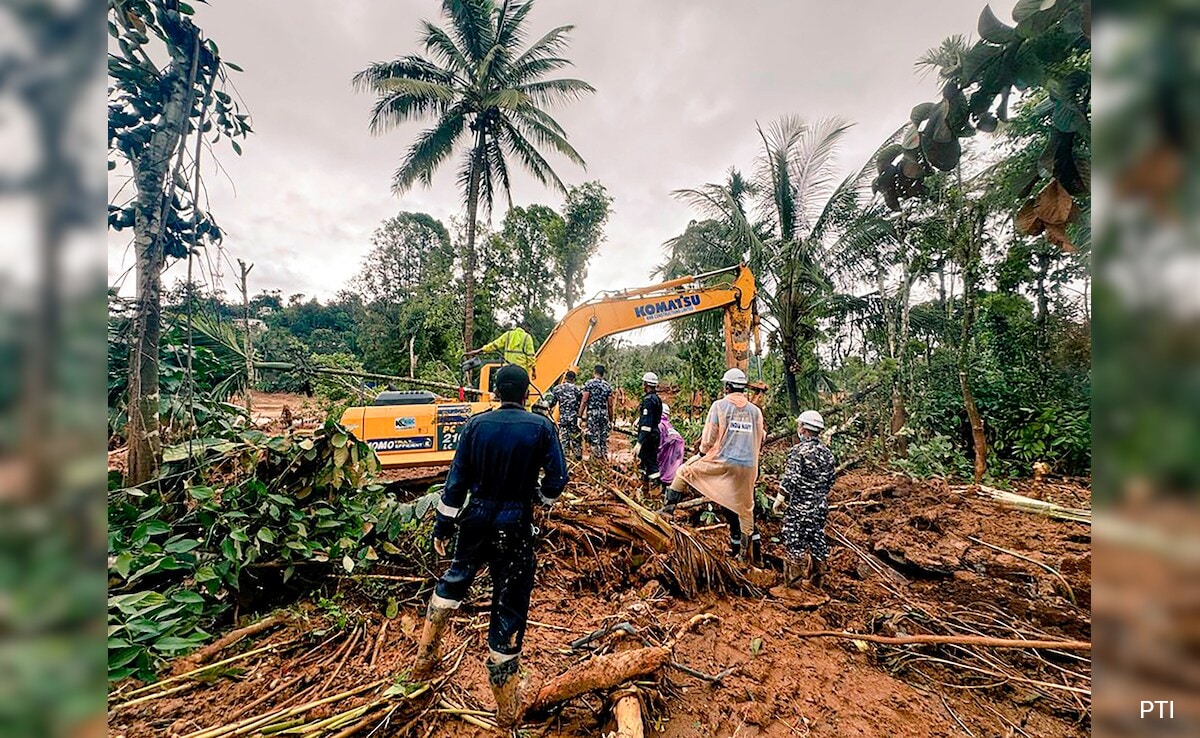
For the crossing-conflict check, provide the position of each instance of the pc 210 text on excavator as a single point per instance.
(418, 428)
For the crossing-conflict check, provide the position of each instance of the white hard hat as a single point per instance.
(650, 378)
(811, 419)
(735, 377)
(666, 408)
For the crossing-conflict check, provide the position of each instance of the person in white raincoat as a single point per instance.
(727, 467)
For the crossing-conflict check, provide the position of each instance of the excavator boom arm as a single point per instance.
(629, 310)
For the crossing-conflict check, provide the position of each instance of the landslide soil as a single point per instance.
(915, 548)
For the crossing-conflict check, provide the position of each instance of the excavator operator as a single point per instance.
(517, 346)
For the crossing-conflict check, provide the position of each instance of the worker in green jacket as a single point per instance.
(517, 346)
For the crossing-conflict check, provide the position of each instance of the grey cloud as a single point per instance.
(680, 85)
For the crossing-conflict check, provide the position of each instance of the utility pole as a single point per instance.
(245, 270)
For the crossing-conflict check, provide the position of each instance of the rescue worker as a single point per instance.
(500, 454)
(568, 396)
(648, 437)
(516, 345)
(596, 409)
(727, 467)
(807, 477)
(670, 449)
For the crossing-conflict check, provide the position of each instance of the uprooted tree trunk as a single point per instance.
(602, 672)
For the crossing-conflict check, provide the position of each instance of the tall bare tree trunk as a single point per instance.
(469, 255)
(154, 181)
(1043, 300)
(970, 267)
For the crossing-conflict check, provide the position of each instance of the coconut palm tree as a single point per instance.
(486, 96)
(808, 230)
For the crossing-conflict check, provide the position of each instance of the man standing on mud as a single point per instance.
(807, 477)
(568, 396)
(489, 497)
(728, 469)
(649, 416)
(596, 408)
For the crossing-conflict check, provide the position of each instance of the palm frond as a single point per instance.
(431, 148)
(551, 44)
(944, 57)
(510, 25)
(812, 161)
(528, 71)
(530, 157)
(529, 120)
(406, 67)
(438, 43)
(471, 21)
(550, 91)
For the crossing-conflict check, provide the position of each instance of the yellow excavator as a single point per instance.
(418, 428)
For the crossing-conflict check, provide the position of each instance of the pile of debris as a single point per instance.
(949, 612)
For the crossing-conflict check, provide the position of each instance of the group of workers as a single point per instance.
(509, 459)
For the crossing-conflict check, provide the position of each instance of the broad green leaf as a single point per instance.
(187, 597)
(123, 563)
(265, 535)
(338, 440)
(348, 563)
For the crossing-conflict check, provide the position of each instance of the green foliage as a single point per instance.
(936, 456)
(217, 374)
(179, 551)
(585, 212)
(141, 93)
(527, 242)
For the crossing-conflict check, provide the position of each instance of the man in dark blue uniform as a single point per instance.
(648, 438)
(489, 498)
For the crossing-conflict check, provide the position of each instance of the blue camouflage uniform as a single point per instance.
(568, 396)
(489, 497)
(598, 422)
(807, 477)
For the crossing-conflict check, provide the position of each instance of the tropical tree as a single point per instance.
(487, 98)
(527, 240)
(802, 229)
(153, 109)
(585, 212)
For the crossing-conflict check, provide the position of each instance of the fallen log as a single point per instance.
(602, 672)
(949, 639)
(628, 712)
(206, 654)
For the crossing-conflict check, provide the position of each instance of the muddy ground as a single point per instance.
(908, 558)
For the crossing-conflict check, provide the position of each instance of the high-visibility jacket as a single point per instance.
(517, 346)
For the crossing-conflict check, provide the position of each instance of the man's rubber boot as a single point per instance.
(756, 549)
(431, 636)
(816, 573)
(793, 573)
(672, 497)
(505, 679)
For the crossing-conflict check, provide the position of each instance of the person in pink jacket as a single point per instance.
(670, 449)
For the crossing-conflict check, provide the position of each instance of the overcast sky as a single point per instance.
(680, 85)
